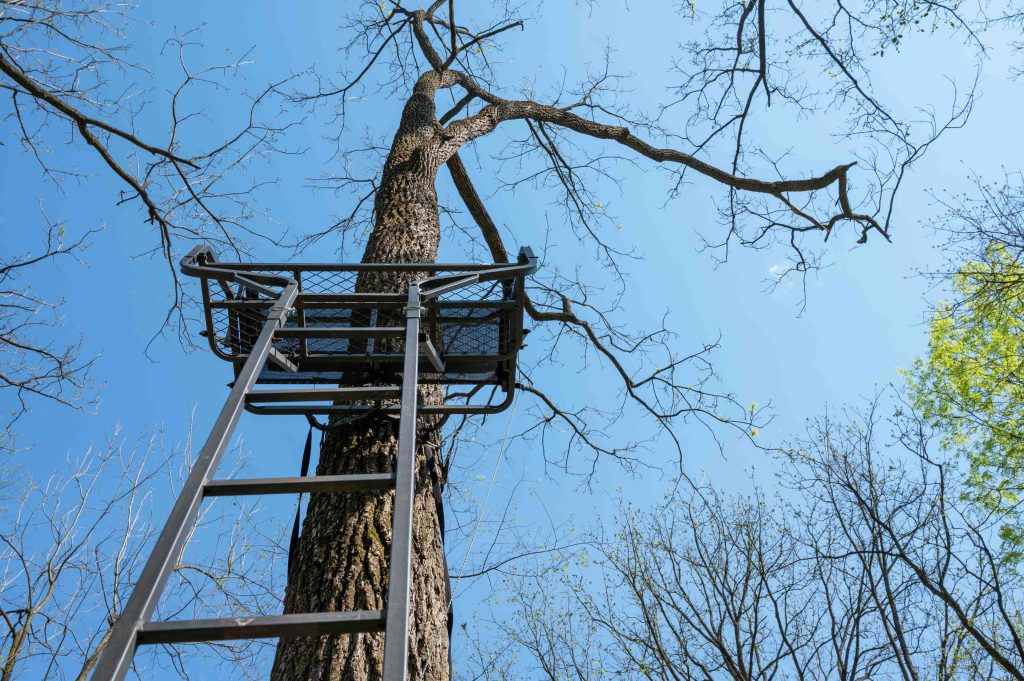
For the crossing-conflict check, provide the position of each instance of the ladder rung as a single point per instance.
(348, 409)
(352, 394)
(275, 626)
(341, 332)
(309, 409)
(368, 482)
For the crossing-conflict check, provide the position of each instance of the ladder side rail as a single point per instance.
(396, 633)
(117, 657)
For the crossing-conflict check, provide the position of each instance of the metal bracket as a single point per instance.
(248, 283)
(281, 361)
(427, 348)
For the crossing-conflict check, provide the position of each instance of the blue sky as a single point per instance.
(864, 315)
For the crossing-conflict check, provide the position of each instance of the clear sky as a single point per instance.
(864, 314)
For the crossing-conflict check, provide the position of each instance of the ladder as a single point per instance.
(292, 347)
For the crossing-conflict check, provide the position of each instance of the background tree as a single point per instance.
(31, 364)
(71, 545)
(969, 387)
(68, 80)
(877, 568)
(57, 64)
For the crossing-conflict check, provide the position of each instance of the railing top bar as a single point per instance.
(259, 273)
(191, 261)
(191, 266)
(356, 266)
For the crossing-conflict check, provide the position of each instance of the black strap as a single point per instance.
(293, 547)
(438, 490)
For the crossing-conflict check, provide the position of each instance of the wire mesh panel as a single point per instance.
(475, 327)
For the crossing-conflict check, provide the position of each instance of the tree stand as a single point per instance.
(316, 325)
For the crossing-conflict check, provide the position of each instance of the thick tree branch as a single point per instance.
(500, 110)
(477, 209)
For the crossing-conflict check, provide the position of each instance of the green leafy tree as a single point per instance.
(970, 386)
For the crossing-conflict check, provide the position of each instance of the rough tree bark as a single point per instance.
(342, 560)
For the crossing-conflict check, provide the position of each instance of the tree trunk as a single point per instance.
(342, 559)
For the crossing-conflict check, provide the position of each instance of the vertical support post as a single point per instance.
(396, 632)
(303, 343)
(116, 659)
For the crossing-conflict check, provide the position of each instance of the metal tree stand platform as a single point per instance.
(356, 351)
